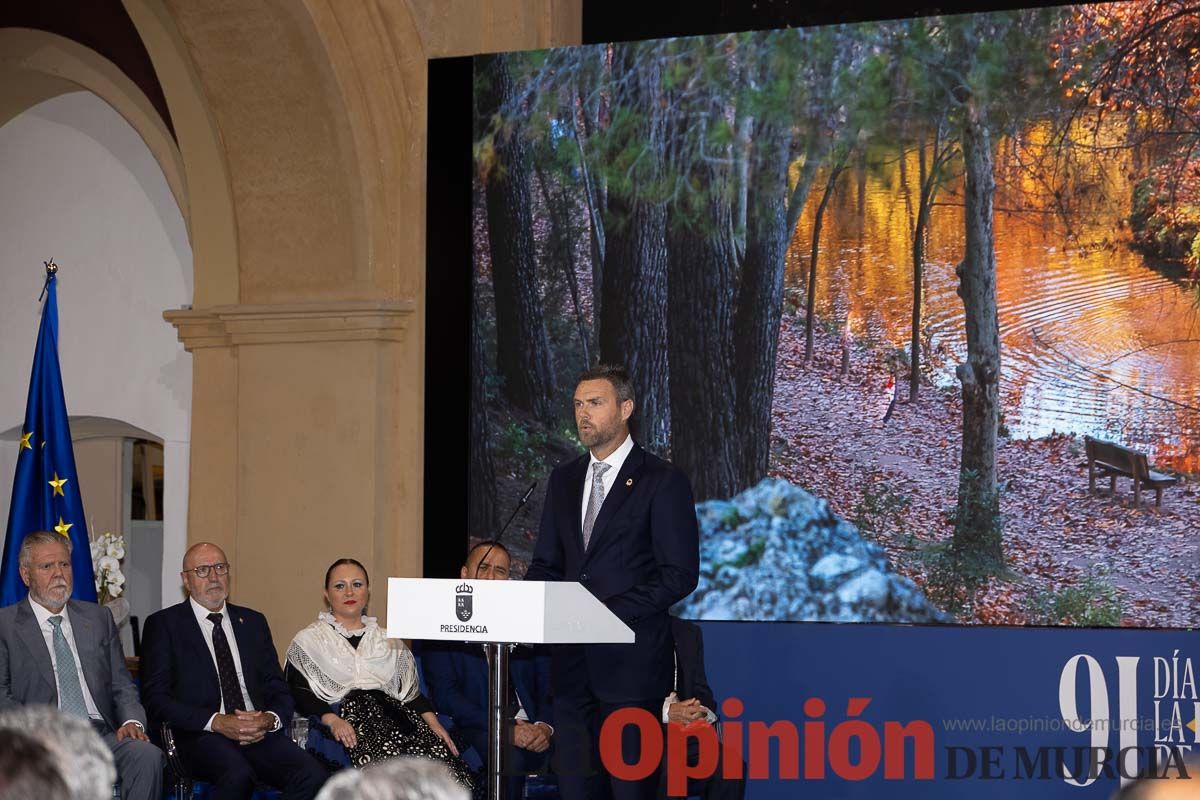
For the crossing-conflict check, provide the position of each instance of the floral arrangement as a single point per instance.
(107, 551)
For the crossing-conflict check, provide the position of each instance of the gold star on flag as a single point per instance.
(62, 527)
(57, 483)
(1192, 725)
(25, 445)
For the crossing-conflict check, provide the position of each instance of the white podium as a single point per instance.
(499, 615)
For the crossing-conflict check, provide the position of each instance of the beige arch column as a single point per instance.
(308, 407)
(213, 454)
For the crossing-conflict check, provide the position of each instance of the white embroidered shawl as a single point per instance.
(333, 666)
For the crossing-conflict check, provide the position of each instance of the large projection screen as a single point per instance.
(888, 290)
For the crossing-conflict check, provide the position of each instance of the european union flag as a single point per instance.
(46, 489)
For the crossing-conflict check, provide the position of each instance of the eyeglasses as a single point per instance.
(203, 570)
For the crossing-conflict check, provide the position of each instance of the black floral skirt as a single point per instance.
(386, 728)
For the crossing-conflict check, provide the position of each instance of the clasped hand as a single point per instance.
(686, 712)
(244, 727)
(534, 737)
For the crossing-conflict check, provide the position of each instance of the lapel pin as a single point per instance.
(629, 481)
(241, 621)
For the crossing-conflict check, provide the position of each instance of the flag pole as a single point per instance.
(51, 269)
(45, 493)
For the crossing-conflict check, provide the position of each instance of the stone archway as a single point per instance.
(301, 127)
(37, 65)
(299, 334)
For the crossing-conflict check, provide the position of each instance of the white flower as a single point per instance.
(107, 551)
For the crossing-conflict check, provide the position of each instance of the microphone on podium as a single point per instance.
(496, 539)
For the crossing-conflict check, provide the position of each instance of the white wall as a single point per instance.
(77, 184)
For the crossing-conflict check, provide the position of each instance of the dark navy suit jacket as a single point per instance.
(691, 680)
(457, 676)
(179, 679)
(643, 557)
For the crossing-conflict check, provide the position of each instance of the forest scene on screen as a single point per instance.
(914, 304)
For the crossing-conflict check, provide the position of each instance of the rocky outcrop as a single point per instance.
(776, 552)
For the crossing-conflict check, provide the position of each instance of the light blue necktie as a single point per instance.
(595, 500)
(70, 692)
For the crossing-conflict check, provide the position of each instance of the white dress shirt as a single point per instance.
(615, 461)
(206, 627)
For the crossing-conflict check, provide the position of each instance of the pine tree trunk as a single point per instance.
(633, 296)
(977, 530)
(595, 224)
(481, 477)
(522, 348)
(744, 155)
(811, 307)
(593, 109)
(800, 192)
(918, 260)
(760, 298)
(558, 207)
(633, 316)
(702, 265)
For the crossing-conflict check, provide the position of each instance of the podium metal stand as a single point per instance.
(499, 615)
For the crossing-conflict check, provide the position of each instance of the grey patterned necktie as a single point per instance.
(595, 500)
(70, 692)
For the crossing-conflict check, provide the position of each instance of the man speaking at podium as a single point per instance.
(622, 522)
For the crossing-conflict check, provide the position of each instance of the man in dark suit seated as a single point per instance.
(210, 670)
(692, 702)
(622, 522)
(457, 675)
(61, 652)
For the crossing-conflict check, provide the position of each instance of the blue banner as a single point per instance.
(46, 487)
(892, 711)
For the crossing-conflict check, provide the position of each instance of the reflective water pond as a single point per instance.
(1094, 339)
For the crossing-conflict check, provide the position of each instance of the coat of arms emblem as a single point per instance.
(462, 602)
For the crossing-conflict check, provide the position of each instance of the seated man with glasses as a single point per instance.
(209, 670)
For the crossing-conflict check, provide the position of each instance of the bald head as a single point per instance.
(199, 551)
(206, 575)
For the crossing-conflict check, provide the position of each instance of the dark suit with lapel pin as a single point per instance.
(642, 558)
(27, 678)
(180, 687)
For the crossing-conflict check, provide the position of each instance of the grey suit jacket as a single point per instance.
(27, 673)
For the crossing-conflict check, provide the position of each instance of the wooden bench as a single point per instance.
(1111, 459)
